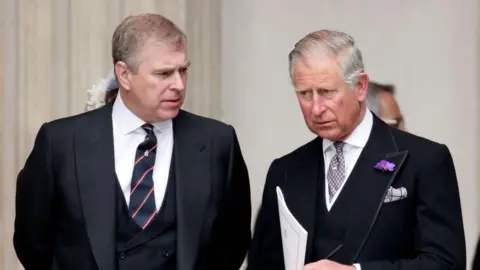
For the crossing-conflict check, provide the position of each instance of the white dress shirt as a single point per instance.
(352, 149)
(127, 135)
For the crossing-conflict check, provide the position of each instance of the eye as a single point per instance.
(323, 92)
(328, 94)
(165, 73)
(305, 94)
(183, 70)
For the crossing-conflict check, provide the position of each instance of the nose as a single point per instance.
(318, 105)
(178, 82)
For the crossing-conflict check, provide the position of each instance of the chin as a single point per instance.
(330, 134)
(168, 114)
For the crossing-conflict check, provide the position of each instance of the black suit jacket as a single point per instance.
(476, 257)
(423, 231)
(65, 201)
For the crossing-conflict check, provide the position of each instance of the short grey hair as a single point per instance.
(337, 44)
(136, 30)
(373, 99)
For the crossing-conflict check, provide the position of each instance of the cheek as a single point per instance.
(348, 110)
(154, 90)
(150, 82)
(338, 109)
(160, 88)
(306, 108)
(142, 85)
(184, 79)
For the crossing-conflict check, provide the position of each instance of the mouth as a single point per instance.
(172, 100)
(324, 123)
(172, 103)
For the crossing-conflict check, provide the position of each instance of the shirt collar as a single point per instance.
(128, 122)
(360, 134)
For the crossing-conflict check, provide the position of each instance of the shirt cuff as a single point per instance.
(357, 266)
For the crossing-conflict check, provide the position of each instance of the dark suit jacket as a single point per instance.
(476, 257)
(65, 201)
(423, 231)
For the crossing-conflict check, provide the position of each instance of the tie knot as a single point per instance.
(148, 128)
(338, 146)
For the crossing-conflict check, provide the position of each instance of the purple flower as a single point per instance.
(384, 166)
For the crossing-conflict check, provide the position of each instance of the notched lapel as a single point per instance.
(370, 186)
(96, 177)
(193, 184)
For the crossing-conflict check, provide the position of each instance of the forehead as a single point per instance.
(161, 54)
(316, 72)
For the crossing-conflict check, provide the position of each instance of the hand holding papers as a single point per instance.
(294, 236)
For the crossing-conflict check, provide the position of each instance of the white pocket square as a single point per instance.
(395, 194)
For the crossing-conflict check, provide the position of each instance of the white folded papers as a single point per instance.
(294, 236)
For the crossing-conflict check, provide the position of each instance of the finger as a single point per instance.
(310, 266)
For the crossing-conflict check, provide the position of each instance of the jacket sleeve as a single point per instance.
(232, 233)
(34, 233)
(266, 250)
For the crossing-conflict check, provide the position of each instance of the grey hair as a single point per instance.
(136, 30)
(373, 99)
(337, 44)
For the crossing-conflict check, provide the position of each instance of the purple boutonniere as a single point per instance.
(385, 166)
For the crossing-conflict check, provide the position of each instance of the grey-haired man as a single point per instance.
(370, 196)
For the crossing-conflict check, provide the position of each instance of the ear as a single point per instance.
(361, 87)
(123, 75)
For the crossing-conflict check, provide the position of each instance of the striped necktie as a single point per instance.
(142, 196)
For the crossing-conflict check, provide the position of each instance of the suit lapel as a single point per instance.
(95, 162)
(369, 186)
(301, 188)
(192, 173)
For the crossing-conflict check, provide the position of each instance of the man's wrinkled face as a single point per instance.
(331, 108)
(156, 90)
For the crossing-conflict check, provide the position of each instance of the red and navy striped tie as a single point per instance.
(142, 197)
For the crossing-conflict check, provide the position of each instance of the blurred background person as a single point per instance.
(382, 102)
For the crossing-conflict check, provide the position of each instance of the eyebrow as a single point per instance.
(170, 68)
(312, 89)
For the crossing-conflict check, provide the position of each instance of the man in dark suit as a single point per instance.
(369, 196)
(138, 183)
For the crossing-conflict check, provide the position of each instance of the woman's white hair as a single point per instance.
(112, 81)
(337, 44)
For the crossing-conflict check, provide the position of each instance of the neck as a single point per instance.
(361, 115)
(131, 105)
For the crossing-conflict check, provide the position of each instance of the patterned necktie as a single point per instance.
(336, 170)
(142, 197)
